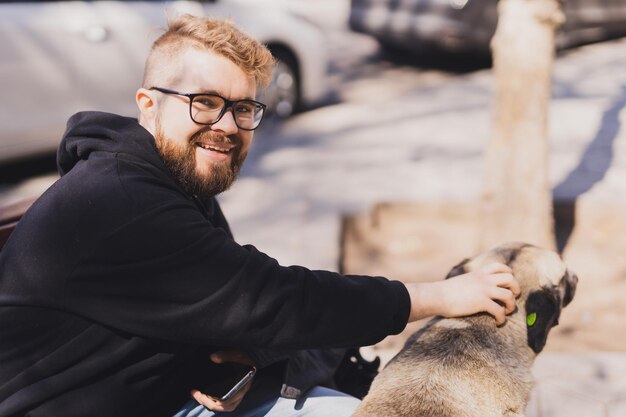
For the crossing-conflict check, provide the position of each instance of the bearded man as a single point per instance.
(122, 288)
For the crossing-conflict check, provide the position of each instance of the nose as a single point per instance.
(226, 124)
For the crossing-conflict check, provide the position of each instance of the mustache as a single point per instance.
(211, 136)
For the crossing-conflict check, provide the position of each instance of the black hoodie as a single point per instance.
(116, 286)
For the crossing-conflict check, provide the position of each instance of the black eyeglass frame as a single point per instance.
(227, 104)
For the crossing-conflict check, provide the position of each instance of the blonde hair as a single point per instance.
(216, 35)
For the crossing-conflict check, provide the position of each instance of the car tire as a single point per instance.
(282, 96)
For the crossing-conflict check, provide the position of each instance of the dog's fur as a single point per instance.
(468, 367)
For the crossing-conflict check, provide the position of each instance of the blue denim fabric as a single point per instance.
(317, 402)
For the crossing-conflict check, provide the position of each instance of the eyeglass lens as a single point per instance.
(207, 109)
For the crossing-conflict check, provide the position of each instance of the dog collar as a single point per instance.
(531, 319)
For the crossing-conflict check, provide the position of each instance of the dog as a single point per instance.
(469, 367)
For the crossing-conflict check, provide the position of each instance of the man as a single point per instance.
(122, 287)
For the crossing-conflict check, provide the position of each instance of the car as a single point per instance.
(467, 26)
(60, 57)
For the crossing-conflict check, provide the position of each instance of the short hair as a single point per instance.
(219, 36)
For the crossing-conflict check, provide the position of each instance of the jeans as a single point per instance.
(317, 402)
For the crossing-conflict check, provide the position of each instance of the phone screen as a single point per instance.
(229, 379)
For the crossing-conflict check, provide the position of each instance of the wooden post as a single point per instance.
(517, 197)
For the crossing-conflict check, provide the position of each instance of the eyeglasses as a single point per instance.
(208, 109)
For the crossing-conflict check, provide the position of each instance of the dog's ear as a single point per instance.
(543, 310)
(568, 284)
(458, 269)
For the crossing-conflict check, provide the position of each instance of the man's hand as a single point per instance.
(490, 289)
(232, 403)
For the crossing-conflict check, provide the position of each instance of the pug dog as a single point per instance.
(469, 366)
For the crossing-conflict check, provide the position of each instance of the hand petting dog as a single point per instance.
(491, 289)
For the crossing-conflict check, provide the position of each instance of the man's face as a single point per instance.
(204, 159)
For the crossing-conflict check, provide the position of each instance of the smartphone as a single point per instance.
(230, 378)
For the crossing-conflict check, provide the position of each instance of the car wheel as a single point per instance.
(282, 96)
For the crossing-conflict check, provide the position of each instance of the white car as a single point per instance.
(60, 57)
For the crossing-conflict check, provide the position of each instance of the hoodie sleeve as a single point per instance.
(161, 269)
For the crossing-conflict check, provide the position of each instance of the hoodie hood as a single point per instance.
(89, 132)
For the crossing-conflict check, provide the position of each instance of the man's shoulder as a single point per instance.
(116, 177)
(93, 181)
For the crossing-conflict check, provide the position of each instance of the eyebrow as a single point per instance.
(217, 93)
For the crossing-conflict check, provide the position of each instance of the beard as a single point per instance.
(180, 160)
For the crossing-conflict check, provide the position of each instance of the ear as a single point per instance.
(544, 307)
(458, 269)
(147, 104)
(568, 285)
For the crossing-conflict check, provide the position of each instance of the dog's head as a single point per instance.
(547, 286)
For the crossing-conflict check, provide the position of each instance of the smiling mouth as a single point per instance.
(215, 148)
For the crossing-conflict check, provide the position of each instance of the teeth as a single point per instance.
(213, 148)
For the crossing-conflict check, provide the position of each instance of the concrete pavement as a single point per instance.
(579, 385)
